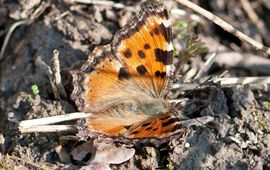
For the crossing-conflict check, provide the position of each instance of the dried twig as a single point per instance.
(266, 3)
(184, 86)
(9, 33)
(55, 65)
(48, 128)
(62, 15)
(197, 121)
(224, 82)
(43, 124)
(46, 69)
(225, 25)
(179, 12)
(105, 3)
(242, 80)
(52, 119)
(255, 19)
(54, 75)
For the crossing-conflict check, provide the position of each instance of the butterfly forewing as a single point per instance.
(145, 47)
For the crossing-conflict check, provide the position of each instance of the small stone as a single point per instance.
(187, 145)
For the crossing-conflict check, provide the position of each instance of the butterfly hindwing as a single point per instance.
(160, 126)
(136, 125)
(114, 126)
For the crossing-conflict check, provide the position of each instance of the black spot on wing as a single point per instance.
(160, 74)
(163, 74)
(170, 121)
(164, 56)
(176, 127)
(164, 14)
(127, 127)
(127, 53)
(146, 46)
(157, 73)
(148, 10)
(164, 118)
(146, 124)
(134, 132)
(156, 30)
(141, 54)
(166, 32)
(149, 128)
(123, 74)
(141, 69)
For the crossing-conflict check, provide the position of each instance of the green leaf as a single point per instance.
(35, 89)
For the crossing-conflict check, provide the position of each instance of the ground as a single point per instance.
(239, 136)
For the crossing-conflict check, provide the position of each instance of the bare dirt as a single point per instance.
(239, 137)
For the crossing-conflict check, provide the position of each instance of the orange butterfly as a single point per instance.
(124, 84)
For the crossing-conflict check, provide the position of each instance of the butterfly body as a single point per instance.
(124, 84)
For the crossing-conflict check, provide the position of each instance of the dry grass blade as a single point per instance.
(206, 66)
(242, 80)
(255, 19)
(53, 119)
(184, 86)
(197, 121)
(48, 128)
(9, 33)
(227, 82)
(47, 69)
(180, 12)
(29, 21)
(54, 75)
(104, 3)
(55, 65)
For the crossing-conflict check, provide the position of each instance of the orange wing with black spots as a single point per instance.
(97, 81)
(161, 126)
(123, 85)
(136, 126)
(104, 82)
(145, 47)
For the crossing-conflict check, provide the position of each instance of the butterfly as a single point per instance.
(124, 85)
